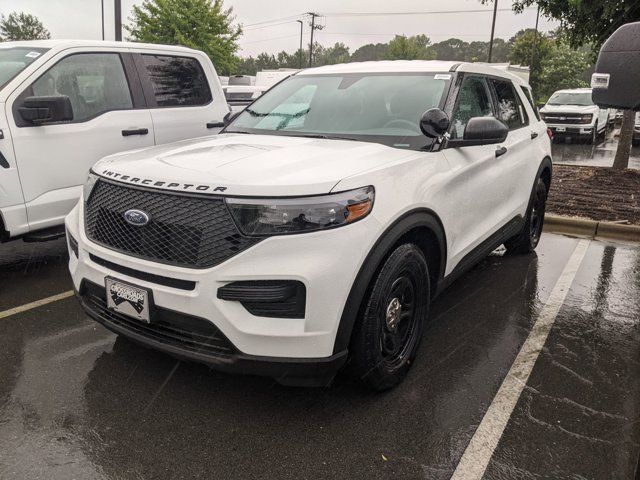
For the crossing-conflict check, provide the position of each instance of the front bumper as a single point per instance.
(325, 262)
(571, 130)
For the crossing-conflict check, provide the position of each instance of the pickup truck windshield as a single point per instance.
(582, 99)
(382, 108)
(15, 59)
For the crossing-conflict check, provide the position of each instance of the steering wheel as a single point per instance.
(401, 122)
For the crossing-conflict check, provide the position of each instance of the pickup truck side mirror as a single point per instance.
(41, 110)
(615, 81)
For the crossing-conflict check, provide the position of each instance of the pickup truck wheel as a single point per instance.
(527, 240)
(388, 333)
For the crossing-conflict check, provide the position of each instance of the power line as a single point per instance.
(431, 12)
(290, 17)
(251, 29)
(269, 39)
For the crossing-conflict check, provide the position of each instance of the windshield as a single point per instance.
(582, 99)
(15, 59)
(382, 108)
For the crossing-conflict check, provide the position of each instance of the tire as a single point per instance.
(527, 240)
(594, 135)
(387, 334)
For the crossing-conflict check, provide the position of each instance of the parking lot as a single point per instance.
(574, 152)
(78, 402)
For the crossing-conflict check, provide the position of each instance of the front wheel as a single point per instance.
(527, 240)
(388, 333)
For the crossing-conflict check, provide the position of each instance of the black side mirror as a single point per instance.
(434, 123)
(485, 131)
(615, 81)
(482, 131)
(41, 110)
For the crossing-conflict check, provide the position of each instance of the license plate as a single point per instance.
(128, 299)
(561, 129)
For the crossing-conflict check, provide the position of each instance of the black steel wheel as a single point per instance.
(387, 335)
(527, 240)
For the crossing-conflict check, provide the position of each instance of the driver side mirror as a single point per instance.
(482, 131)
(41, 110)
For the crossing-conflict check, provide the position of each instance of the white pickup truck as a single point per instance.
(66, 104)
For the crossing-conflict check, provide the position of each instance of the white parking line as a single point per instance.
(36, 304)
(478, 453)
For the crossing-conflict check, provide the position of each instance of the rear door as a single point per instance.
(183, 93)
(109, 116)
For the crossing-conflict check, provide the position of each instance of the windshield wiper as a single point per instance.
(325, 136)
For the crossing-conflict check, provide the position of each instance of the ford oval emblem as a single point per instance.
(136, 217)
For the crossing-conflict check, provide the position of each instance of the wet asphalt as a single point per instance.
(570, 151)
(77, 402)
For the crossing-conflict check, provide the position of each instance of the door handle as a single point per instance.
(215, 124)
(135, 131)
(534, 135)
(501, 151)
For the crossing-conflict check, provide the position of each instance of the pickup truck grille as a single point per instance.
(184, 230)
(565, 118)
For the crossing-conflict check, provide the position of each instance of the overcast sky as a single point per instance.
(270, 24)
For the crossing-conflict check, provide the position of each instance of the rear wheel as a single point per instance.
(388, 333)
(527, 240)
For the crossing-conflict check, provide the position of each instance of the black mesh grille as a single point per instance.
(184, 230)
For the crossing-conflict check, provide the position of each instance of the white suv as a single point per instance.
(320, 224)
(572, 113)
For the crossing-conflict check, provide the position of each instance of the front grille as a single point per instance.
(171, 328)
(184, 230)
(562, 118)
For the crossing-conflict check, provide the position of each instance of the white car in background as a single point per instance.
(572, 113)
(241, 90)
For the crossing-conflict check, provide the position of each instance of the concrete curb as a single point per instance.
(591, 228)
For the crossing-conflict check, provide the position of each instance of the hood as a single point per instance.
(568, 109)
(251, 165)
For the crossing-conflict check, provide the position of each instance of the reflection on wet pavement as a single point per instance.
(575, 152)
(78, 402)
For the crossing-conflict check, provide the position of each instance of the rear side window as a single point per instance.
(510, 109)
(177, 81)
(529, 95)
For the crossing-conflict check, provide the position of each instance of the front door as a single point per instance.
(53, 160)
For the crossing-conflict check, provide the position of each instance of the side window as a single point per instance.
(94, 82)
(177, 81)
(510, 109)
(473, 100)
(534, 107)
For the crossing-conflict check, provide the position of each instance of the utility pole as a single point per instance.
(493, 29)
(102, 16)
(300, 49)
(118, 19)
(314, 27)
(535, 40)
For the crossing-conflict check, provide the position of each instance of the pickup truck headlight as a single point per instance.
(276, 216)
(88, 185)
(587, 118)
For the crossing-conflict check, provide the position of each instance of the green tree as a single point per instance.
(201, 24)
(370, 52)
(452, 49)
(592, 22)
(531, 48)
(410, 48)
(339, 53)
(22, 26)
(562, 67)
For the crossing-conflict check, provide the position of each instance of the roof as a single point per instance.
(404, 66)
(62, 44)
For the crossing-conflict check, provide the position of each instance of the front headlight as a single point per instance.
(88, 185)
(587, 118)
(275, 216)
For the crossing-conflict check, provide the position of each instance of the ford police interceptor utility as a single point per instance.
(317, 228)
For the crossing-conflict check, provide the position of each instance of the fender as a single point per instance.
(377, 254)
